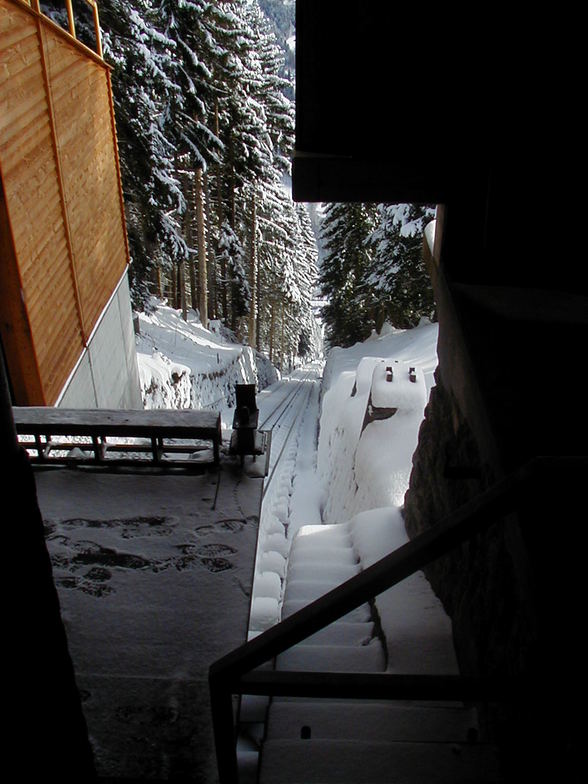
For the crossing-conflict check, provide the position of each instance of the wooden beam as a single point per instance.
(117, 163)
(63, 202)
(97, 29)
(70, 18)
(34, 9)
(15, 330)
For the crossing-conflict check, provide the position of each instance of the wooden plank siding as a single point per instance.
(65, 246)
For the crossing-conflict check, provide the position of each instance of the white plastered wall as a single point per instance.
(107, 375)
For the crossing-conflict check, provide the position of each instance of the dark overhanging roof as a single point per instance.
(397, 104)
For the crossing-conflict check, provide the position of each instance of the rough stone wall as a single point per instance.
(479, 583)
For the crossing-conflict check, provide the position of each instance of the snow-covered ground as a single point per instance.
(345, 445)
(184, 365)
(118, 554)
(348, 464)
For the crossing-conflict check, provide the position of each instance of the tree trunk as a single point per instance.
(210, 257)
(201, 230)
(253, 273)
(232, 209)
(271, 334)
(174, 286)
(188, 225)
(158, 282)
(258, 333)
(182, 277)
(282, 340)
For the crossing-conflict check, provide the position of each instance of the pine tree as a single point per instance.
(140, 55)
(397, 281)
(347, 315)
(231, 257)
(206, 126)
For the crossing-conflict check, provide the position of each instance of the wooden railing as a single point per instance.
(35, 5)
(232, 674)
(170, 438)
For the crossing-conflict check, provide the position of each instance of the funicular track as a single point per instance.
(285, 403)
(283, 420)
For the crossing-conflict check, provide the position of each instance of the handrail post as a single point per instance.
(97, 29)
(70, 18)
(223, 725)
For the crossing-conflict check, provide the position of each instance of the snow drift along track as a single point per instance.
(286, 418)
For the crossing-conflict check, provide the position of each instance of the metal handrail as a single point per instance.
(380, 685)
(227, 676)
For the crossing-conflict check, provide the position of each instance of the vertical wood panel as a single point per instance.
(59, 166)
(16, 334)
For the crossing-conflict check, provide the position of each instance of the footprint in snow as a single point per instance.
(229, 525)
(216, 564)
(211, 556)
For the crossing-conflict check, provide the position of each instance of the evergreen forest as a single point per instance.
(204, 106)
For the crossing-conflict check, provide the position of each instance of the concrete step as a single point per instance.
(361, 614)
(334, 658)
(307, 589)
(324, 533)
(322, 538)
(342, 633)
(323, 555)
(338, 572)
(381, 722)
(360, 762)
(305, 543)
(254, 709)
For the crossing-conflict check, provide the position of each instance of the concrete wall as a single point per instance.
(107, 375)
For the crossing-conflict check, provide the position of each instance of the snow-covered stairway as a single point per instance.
(375, 743)
(322, 557)
(360, 742)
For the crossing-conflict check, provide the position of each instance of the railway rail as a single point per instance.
(283, 418)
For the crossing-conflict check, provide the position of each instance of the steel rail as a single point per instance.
(289, 396)
(286, 439)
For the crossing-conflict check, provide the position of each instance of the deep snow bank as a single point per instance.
(411, 616)
(373, 400)
(374, 396)
(184, 365)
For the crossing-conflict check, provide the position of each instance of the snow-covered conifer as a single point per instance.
(397, 281)
(346, 228)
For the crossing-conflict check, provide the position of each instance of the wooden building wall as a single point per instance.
(64, 246)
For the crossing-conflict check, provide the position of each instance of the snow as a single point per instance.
(154, 586)
(430, 235)
(336, 506)
(368, 464)
(184, 365)
(332, 506)
(345, 501)
(350, 481)
(411, 616)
